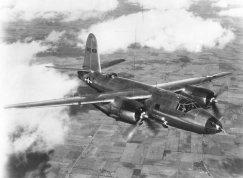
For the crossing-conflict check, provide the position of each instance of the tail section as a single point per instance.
(91, 59)
(91, 56)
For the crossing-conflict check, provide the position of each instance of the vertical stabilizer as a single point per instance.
(91, 56)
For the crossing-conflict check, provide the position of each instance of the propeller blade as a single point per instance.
(214, 100)
(220, 118)
(225, 132)
(153, 126)
(208, 85)
(216, 111)
(221, 91)
(130, 131)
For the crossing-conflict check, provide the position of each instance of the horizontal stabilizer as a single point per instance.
(111, 63)
(74, 68)
(68, 68)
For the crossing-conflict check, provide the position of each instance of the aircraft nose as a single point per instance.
(213, 126)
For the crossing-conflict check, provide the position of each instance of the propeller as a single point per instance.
(153, 126)
(216, 112)
(214, 102)
(221, 91)
(224, 132)
(130, 131)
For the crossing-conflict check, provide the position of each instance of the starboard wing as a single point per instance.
(176, 85)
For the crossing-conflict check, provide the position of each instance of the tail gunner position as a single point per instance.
(181, 104)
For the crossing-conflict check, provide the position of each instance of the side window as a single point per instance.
(156, 106)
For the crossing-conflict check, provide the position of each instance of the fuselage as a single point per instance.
(111, 82)
(161, 103)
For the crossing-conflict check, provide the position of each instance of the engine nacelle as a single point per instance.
(202, 96)
(126, 110)
(201, 117)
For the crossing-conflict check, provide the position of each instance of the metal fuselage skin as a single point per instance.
(198, 122)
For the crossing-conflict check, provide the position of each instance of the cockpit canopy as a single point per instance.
(164, 99)
(185, 105)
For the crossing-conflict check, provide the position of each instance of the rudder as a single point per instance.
(91, 55)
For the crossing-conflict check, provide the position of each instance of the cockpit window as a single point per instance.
(185, 105)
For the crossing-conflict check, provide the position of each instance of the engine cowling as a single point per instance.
(127, 110)
(201, 117)
(203, 97)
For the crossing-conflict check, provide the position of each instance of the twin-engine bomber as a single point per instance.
(181, 104)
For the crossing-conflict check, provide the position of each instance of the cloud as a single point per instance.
(163, 5)
(231, 8)
(22, 79)
(84, 15)
(55, 36)
(227, 3)
(36, 129)
(30, 9)
(235, 12)
(170, 30)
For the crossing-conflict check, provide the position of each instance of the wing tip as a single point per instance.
(9, 107)
(13, 106)
(222, 74)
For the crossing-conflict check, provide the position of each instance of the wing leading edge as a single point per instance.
(191, 81)
(88, 99)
